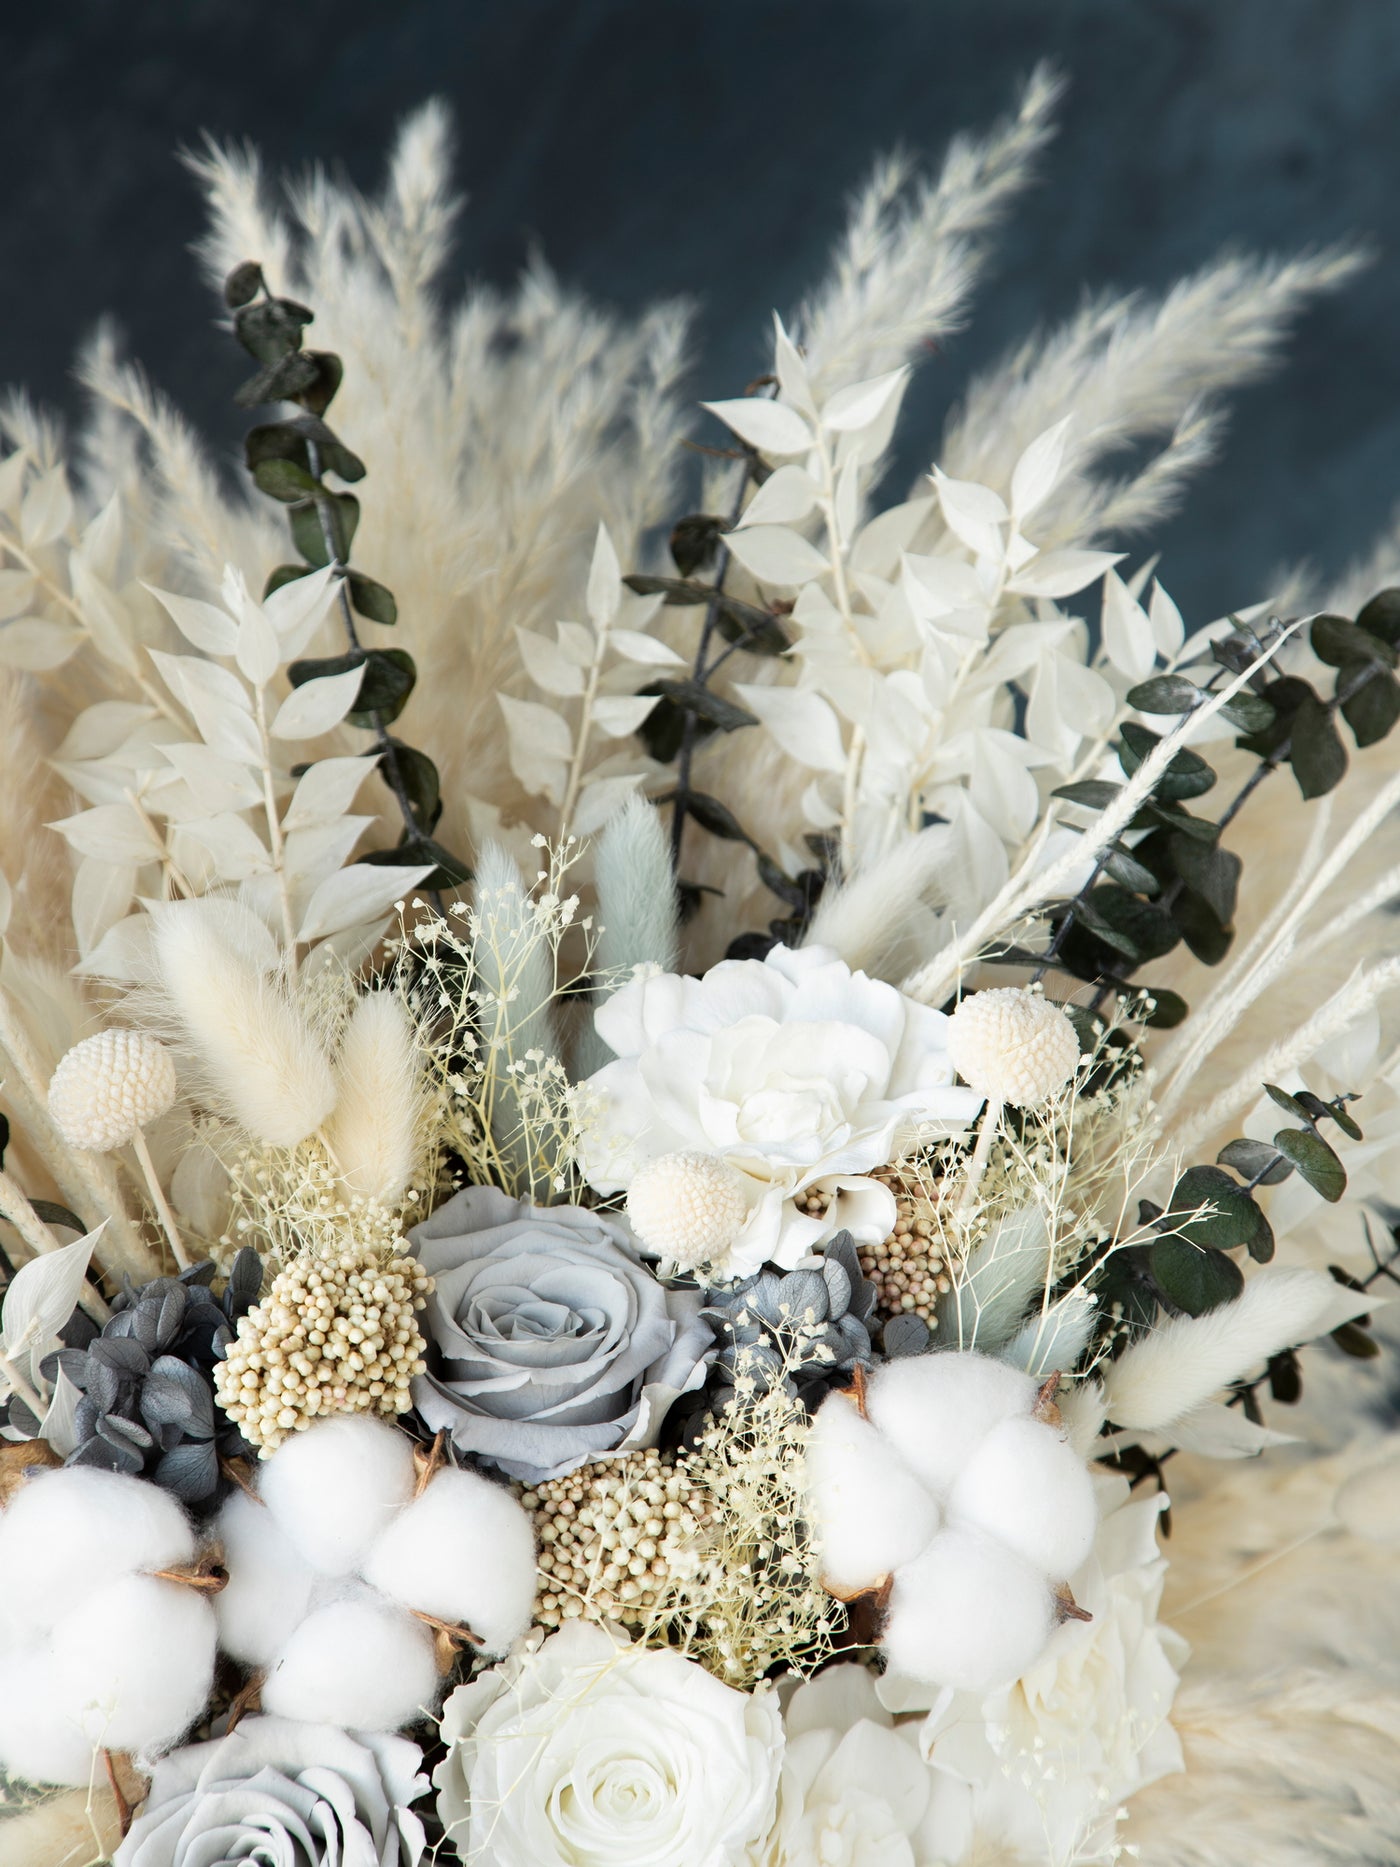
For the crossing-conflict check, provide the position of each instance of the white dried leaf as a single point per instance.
(604, 583)
(1168, 629)
(233, 846)
(101, 728)
(216, 700)
(360, 893)
(578, 642)
(296, 610)
(13, 470)
(317, 706)
(42, 1296)
(846, 504)
(111, 832)
(46, 511)
(101, 545)
(785, 498)
(803, 724)
(599, 800)
(773, 554)
(540, 746)
(17, 589)
(941, 585)
(259, 653)
(102, 894)
(1128, 639)
(326, 792)
(37, 646)
(771, 427)
(1062, 573)
(59, 1425)
(862, 405)
(794, 385)
(309, 856)
(620, 714)
(547, 665)
(204, 625)
(974, 514)
(350, 947)
(123, 954)
(105, 617)
(218, 783)
(645, 650)
(1035, 473)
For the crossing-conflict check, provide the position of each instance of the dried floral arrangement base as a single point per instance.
(773, 1252)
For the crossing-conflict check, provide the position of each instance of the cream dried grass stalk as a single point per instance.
(375, 1130)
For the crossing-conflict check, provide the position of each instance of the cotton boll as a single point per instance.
(357, 1663)
(967, 1613)
(935, 1409)
(269, 1583)
(869, 1512)
(463, 1551)
(38, 1741)
(71, 1532)
(335, 1486)
(134, 1664)
(1026, 1486)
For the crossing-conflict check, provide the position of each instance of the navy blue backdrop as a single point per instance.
(652, 147)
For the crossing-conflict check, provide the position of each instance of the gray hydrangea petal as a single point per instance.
(190, 1471)
(122, 1355)
(905, 1335)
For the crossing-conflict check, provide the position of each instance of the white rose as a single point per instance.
(796, 1071)
(854, 1791)
(583, 1751)
(1044, 1767)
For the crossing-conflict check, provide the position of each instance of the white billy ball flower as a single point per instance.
(1012, 1046)
(108, 1087)
(688, 1208)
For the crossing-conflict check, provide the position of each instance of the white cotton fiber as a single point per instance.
(869, 1512)
(967, 1613)
(1026, 1486)
(133, 1665)
(336, 1486)
(38, 1741)
(71, 1532)
(359, 1663)
(935, 1409)
(463, 1551)
(269, 1583)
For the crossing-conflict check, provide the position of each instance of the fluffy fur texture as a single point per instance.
(375, 1132)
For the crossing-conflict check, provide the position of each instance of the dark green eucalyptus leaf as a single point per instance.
(1086, 1027)
(1201, 927)
(677, 591)
(1192, 1278)
(695, 540)
(290, 376)
(1347, 1123)
(1285, 1378)
(1094, 793)
(315, 667)
(1249, 712)
(663, 729)
(755, 631)
(1213, 873)
(372, 599)
(1165, 693)
(694, 697)
(418, 776)
(284, 573)
(1260, 1243)
(715, 817)
(1188, 775)
(1381, 616)
(338, 511)
(243, 284)
(284, 480)
(1372, 709)
(1182, 821)
(52, 1213)
(390, 677)
(1132, 927)
(1255, 1159)
(1131, 873)
(320, 393)
(1209, 1207)
(1159, 1008)
(449, 870)
(1289, 1103)
(1337, 642)
(778, 882)
(271, 328)
(1317, 755)
(1315, 1161)
(1353, 1340)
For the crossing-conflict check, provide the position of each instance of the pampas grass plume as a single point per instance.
(261, 1057)
(374, 1132)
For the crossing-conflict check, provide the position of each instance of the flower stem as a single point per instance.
(158, 1200)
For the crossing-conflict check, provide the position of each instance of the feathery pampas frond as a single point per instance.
(375, 1130)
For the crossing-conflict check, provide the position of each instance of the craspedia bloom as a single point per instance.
(1012, 1046)
(687, 1208)
(109, 1086)
(333, 1335)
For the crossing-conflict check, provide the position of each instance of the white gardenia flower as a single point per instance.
(1043, 1769)
(855, 1792)
(796, 1071)
(583, 1751)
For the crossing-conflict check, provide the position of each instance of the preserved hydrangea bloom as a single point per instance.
(587, 1752)
(555, 1343)
(109, 1086)
(796, 1071)
(304, 1795)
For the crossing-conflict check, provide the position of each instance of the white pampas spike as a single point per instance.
(1186, 1360)
(375, 1130)
(871, 918)
(515, 974)
(259, 1056)
(637, 908)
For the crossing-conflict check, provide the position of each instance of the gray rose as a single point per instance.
(555, 1343)
(304, 1795)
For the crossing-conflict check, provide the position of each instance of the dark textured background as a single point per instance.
(652, 147)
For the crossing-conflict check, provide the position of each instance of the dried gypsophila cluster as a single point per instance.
(289, 1201)
(615, 1538)
(333, 1335)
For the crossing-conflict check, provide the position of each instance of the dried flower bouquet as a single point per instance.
(632, 1286)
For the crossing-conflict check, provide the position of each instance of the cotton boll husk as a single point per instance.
(967, 1613)
(870, 1513)
(374, 1129)
(134, 1664)
(935, 1409)
(1187, 1359)
(335, 1486)
(269, 1582)
(359, 1663)
(68, 1533)
(1027, 1487)
(262, 1059)
(463, 1551)
(39, 1742)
